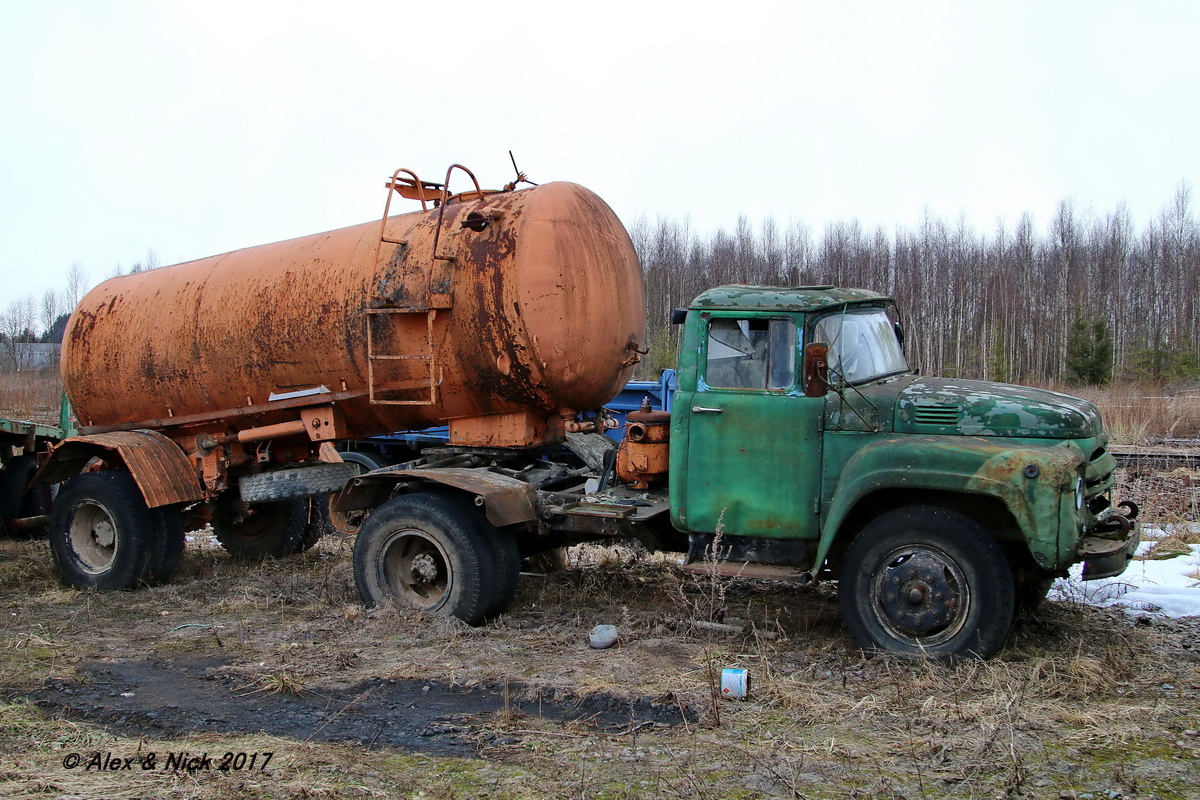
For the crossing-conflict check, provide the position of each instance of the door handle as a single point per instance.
(706, 410)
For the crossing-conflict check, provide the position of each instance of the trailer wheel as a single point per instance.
(16, 500)
(319, 524)
(424, 552)
(101, 531)
(924, 580)
(260, 530)
(169, 544)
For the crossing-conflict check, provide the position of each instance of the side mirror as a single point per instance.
(899, 329)
(678, 315)
(816, 370)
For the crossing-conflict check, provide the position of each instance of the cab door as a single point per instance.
(754, 439)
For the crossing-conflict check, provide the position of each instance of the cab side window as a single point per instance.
(751, 353)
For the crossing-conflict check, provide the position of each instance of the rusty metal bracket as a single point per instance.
(324, 423)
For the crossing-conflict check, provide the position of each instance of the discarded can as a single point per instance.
(735, 683)
(603, 636)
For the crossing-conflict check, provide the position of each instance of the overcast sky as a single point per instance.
(194, 128)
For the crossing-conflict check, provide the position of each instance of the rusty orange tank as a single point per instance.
(502, 313)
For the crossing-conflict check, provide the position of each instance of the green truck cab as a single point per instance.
(940, 505)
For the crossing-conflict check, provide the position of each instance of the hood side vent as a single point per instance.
(940, 414)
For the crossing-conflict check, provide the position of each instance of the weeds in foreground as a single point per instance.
(278, 683)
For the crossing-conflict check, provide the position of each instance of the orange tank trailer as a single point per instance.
(216, 385)
(500, 312)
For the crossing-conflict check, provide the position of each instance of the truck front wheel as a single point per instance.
(924, 580)
(101, 532)
(423, 551)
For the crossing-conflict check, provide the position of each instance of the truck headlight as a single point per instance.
(1079, 494)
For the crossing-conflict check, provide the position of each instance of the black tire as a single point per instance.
(1032, 593)
(952, 591)
(101, 533)
(260, 530)
(16, 500)
(424, 552)
(169, 544)
(298, 483)
(507, 554)
(319, 523)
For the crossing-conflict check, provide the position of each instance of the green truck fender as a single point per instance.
(1036, 483)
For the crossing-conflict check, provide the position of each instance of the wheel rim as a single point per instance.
(920, 595)
(416, 569)
(93, 537)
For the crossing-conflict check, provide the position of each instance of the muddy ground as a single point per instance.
(280, 658)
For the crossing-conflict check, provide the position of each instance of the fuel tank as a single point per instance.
(501, 313)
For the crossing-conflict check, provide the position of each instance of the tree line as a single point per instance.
(1087, 299)
(26, 320)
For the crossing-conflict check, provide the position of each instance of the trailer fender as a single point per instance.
(161, 470)
(505, 500)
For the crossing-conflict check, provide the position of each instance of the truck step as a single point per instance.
(611, 510)
(758, 572)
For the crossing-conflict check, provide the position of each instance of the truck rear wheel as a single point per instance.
(101, 532)
(929, 581)
(260, 530)
(508, 570)
(424, 552)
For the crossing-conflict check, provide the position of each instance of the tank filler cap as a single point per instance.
(478, 221)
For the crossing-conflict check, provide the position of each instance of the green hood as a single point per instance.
(981, 408)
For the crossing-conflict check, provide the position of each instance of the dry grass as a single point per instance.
(1139, 414)
(1075, 703)
(1082, 699)
(31, 395)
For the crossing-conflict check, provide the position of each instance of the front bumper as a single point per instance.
(1107, 554)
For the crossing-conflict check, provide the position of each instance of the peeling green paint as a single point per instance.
(981, 408)
(774, 298)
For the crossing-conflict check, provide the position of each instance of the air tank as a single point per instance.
(502, 313)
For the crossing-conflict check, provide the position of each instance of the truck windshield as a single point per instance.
(862, 344)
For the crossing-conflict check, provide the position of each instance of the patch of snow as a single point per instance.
(1168, 587)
